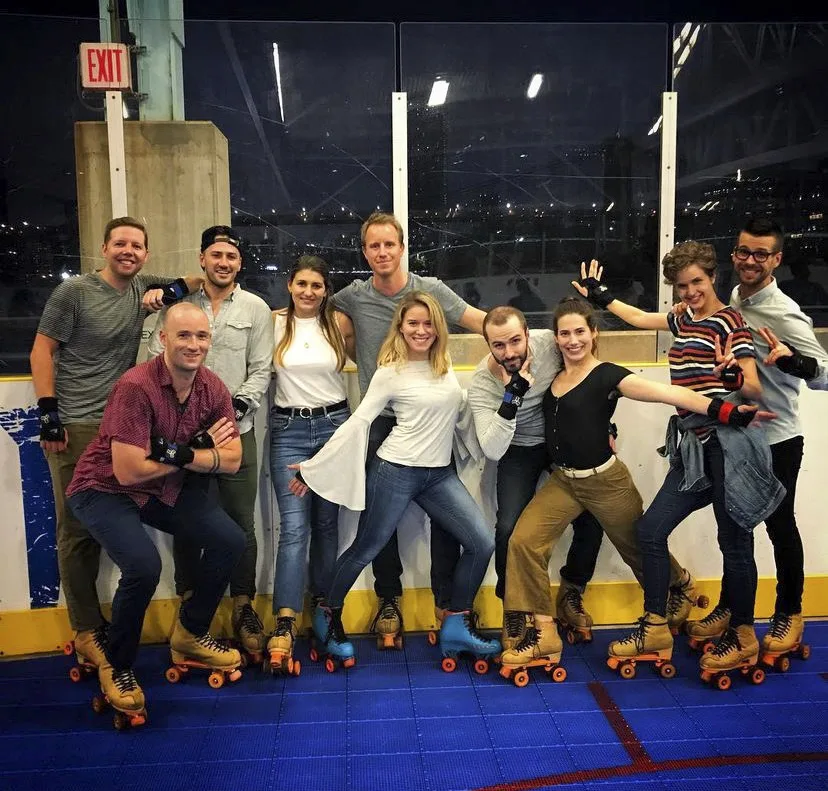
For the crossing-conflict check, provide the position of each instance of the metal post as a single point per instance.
(117, 153)
(399, 164)
(666, 205)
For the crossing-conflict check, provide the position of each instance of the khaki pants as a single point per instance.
(610, 496)
(78, 553)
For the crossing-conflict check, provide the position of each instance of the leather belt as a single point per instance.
(311, 411)
(571, 472)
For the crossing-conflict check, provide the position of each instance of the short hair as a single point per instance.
(498, 316)
(686, 254)
(765, 226)
(381, 218)
(128, 222)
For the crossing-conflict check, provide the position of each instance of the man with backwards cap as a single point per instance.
(240, 355)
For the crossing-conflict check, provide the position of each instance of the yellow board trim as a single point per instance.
(47, 630)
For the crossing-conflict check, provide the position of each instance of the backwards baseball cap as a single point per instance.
(220, 233)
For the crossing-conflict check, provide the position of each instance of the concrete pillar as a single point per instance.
(178, 183)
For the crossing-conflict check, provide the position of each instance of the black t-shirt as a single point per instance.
(577, 423)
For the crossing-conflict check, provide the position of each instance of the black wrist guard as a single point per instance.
(732, 378)
(167, 452)
(51, 429)
(728, 413)
(202, 440)
(173, 292)
(513, 396)
(240, 408)
(597, 293)
(799, 365)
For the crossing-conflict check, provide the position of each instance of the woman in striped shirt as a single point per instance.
(713, 354)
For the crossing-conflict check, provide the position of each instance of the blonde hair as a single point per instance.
(394, 349)
(381, 218)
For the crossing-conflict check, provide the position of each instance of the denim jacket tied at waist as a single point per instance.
(752, 491)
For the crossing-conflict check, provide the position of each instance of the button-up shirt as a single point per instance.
(142, 405)
(772, 308)
(241, 349)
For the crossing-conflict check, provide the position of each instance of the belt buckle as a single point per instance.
(305, 412)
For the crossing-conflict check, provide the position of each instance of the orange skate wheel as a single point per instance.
(99, 704)
(783, 664)
(558, 674)
(432, 638)
(757, 675)
(216, 679)
(449, 664)
(804, 651)
(481, 667)
(521, 678)
(506, 672)
(69, 648)
(138, 719)
(708, 646)
(173, 675)
(349, 662)
(702, 601)
(75, 674)
(722, 682)
(330, 665)
(287, 665)
(613, 662)
(627, 670)
(297, 668)
(234, 675)
(313, 655)
(667, 670)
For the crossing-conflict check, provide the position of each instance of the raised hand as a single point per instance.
(591, 287)
(727, 366)
(777, 348)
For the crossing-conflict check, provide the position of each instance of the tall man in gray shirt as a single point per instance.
(241, 354)
(87, 338)
(371, 304)
(506, 396)
(764, 306)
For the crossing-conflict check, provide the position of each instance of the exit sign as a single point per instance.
(105, 67)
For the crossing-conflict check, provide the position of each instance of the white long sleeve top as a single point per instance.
(427, 408)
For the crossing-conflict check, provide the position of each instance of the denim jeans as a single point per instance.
(518, 472)
(387, 566)
(669, 508)
(309, 519)
(237, 498)
(117, 523)
(438, 491)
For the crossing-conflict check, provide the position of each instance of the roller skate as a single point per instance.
(328, 639)
(280, 646)
(574, 622)
(541, 646)
(120, 690)
(88, 647)
(514, 627)
(248, 631)
(682, 599)
(783, 639)
(440, 614)
(388, 624)
(650, 641)
(459, 635)
(738, 649)
(705, 632)
(204, 652)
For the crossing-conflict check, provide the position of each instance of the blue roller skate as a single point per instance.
(459, 635)
(328, 639)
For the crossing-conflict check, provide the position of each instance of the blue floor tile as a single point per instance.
(387, 705)
(308, 774)
(370, 737)
(386, 773)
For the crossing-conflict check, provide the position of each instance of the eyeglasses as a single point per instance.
(760, 256)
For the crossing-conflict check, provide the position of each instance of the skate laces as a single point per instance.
(529, 640)
(100, 636)
(572, 597)
(780, 625)
(249, 619)
(678, 595)
(638, 635)
(211, 644)
(728, 642)
(125, 680)
(514, 622)
(471, 620)
(336, 631)
(716, 614)
(388, 611)
(284, 626)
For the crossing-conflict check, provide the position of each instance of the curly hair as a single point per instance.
(686, 254)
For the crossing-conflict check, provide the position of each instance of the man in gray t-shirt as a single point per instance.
(371, 305)
(87, 338)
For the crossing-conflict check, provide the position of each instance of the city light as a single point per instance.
(439, 92)
(534, 86)
(612, 203)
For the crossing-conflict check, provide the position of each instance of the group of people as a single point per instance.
(140, 445)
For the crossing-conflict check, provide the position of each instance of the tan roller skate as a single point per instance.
(705, 632)
(682, 599)
(514, 627)
(433, 635)
(650, 641)
(573, 620)
(738, 649)
(783, 639)
(204, 652)
(541, 646)
(388, 624)
(248, 630)
(280, 646)
(88, 647)
(120, 691)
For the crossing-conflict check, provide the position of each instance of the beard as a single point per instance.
(513, 365)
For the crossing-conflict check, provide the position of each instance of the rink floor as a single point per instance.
(396, 721)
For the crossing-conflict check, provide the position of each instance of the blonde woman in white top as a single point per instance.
(414, 377)
(310, 404)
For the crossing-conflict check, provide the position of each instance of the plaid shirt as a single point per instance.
(143, 404)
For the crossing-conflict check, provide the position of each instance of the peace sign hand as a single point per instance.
(727, 366)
